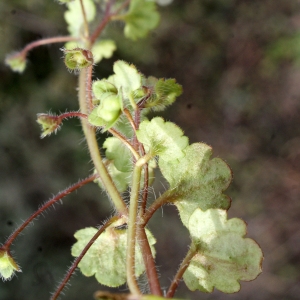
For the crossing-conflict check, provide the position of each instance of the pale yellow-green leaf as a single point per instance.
(224, 256)
(106, 259)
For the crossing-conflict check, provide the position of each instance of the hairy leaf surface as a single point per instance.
(106, 259)
(224, 256)
(162, 138)
(196, 181)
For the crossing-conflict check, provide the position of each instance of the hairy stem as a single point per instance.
(131, 235)
(90, 136)
(149, 262)
(58, 197)
(183, 266)
(160, 201)
(79, 258)
(89, 97)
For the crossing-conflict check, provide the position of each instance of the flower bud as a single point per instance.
(17, 62)
(48, 123)
(78, 58)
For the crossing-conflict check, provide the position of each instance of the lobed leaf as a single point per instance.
(166, 92)
(196, 181)
(103, 49)
(106, 259)
(164, 139)
(140, 19)
(223, 256)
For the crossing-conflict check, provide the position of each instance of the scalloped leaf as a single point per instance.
(162, 138)
(103, 49)
(166, 92)
(196, 181)
(224, 256)
(140, 19)
(106, 259)
(74, 17)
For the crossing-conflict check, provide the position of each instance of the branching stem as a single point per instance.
(125, 142)
(90, 136)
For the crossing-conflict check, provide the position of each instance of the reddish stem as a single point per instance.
(79, 258)
(101, 26)
(89, 99)
(149, 262)
(184, 265)
(58, 197)
(47, 41)
(72, 114)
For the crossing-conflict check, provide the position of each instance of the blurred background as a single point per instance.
(239, 64)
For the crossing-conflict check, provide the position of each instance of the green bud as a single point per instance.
(109, 109)
(78, 58)
(7, 265)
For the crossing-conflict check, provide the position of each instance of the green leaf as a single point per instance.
(120, 179)
(140, 19)
(224, 256)
(8, 266)
(166, 92)
(107, 113)
(127, 77)
(74, 17)
(103, 49)
(106, 259)
(118, 153)
(103, 86)
(196, 181)
(162, 138)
